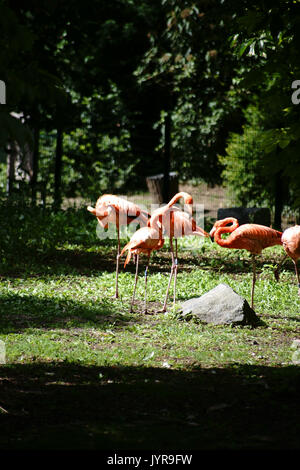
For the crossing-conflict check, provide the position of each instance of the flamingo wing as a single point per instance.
(184, 224)
(122, 212)
(143, 240)
(254, 238)
(291, 242)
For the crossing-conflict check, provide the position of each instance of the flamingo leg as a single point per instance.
(297, 274)
(276, 272)
(135, 280)
(117, 264)
(253, 279)
(175, 271)
(146, 275)
(171, 275)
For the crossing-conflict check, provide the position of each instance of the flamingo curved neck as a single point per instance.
(228, 220)
(224, 229)
(186, 197)
(156, 219)
(218, 235)
(154, 222)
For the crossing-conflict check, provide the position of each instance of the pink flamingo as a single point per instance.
(291, 244)
(251, 237)
(144, 240)
(175, 224)
(119, 211)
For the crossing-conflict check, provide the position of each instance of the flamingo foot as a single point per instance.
(162, 310)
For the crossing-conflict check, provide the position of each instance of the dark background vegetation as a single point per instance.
(96, 83)
(101, 94)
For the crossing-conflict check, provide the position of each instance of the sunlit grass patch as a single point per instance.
(57, 300)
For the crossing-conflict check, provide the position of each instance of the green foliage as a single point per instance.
(98, 156)
(191, 61)
(199, 136)
(96, 101)
(244, 171)
(104, 74)
(25, 230)
(270, 38)
(256, 157)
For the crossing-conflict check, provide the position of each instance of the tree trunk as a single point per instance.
(58, 168)
(167, 158)
(155, 185)
(11, 161)
(35, 165)
(279, 200)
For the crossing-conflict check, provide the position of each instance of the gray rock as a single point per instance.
(247, 215)
(221, 305)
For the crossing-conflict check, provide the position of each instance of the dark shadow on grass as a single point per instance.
(81, 262)
(20, 312)
(85, 262)
(68, 406)
(77, 261)
(38, 260)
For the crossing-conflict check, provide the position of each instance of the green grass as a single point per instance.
(78, 364)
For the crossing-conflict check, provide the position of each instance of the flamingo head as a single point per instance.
(188, 202)
(188, 205)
